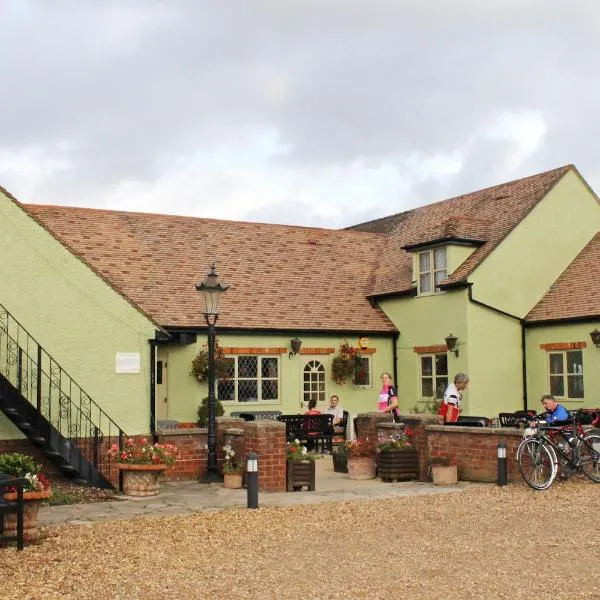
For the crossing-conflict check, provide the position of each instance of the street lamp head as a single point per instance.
(212, 290)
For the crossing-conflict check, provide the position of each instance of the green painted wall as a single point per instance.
(495, 363)
(185, 393)
(538, 382)
(80, 320)
(545, 242)
(426, 321)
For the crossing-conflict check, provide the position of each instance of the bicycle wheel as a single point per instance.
(537, 463)
(589, 455)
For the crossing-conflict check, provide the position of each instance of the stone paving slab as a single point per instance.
(191, 496)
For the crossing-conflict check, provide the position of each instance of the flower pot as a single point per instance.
(398, 464)
(32, 501)
(300, 473)
(340, 462)
(361, 467)
(232, 481)
(444, 474)
(141, 480)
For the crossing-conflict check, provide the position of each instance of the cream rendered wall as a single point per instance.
(185, 393)
(516, 275)
(538, 382)
(75, 316)
(426, 321)
(495, 363)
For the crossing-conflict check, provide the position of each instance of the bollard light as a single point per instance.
(252, 479)
(501, 463)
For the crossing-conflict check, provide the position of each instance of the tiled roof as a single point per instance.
(486, 215)
(572, 295)
(281, 277)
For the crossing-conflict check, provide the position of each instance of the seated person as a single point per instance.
(312, 410)
(554, 410)
(335, 409)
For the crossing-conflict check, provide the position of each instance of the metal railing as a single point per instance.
(56, 396)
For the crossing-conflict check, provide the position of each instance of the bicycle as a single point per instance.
(546, 446)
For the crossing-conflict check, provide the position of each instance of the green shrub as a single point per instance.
(18, 465)
(203, 412)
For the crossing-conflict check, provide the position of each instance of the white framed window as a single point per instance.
(433, 268)
(313, 381)
(251, 378)
(566, 374)
(362, 372)
(434, 375)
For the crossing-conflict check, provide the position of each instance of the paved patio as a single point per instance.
(192, 497)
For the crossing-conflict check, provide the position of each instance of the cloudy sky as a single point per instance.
(310, 112)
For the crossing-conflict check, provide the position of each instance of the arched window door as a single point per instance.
(313, 381)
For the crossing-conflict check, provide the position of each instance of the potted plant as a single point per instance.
(443, 470)
(397, 458)
(203, 412)
(200, 365)
(142, 463)
(37, 489)
(233, 468)
(300, 467)
(361, 459)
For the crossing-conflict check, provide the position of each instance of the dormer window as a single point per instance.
(433, 268)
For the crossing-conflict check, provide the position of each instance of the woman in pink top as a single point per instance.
(388, 397)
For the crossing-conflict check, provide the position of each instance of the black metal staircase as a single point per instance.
(52, 410)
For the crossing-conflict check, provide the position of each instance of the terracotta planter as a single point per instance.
(232, 481)
(361, 467)
(398, 465)
(300, 473)
(444, 474)
(32, 501)
(141, 480)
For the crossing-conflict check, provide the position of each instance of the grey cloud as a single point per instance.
(127, 89)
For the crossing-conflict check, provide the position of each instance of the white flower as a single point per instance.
(304, 450)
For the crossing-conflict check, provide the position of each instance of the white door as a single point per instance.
(313, 382)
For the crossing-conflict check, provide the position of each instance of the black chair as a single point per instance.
(12, 507)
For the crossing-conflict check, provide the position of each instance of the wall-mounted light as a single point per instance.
(451, 341)
(595, 335)
(295, 343)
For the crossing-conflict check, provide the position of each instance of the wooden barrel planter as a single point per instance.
(300, 474)
(398, 465)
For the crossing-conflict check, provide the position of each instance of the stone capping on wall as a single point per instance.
(512, 431)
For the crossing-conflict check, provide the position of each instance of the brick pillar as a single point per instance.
(366, 426)
(267, 439)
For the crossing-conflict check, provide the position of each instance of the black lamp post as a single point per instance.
(212, 289)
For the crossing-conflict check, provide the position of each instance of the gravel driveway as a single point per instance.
(484, 543)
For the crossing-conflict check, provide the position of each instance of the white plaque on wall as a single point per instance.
(127, 362)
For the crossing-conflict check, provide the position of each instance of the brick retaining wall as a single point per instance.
(475, 450)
